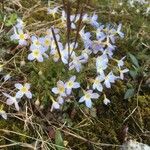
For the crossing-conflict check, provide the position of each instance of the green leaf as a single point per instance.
(129, 93)
(11, 20)
(133, 73)
(59, 140)
(134, 60)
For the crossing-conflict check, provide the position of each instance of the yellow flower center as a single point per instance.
(21, 36)
(24, 89)
(36, 53)
(70, 84)
(47, 42)
(37, 43)
(61, 89)
(87, 96)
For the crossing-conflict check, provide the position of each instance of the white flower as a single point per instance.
(121, 62)
(23, 90)
(12, 100)
(110, 78)
(77, 62)
(20, 36)
(122, 73)
(60, 89)
(37, 53)
(97, 83)
(53, 11)
(88, 95)
(35, 41)
(106, 100)
(68, 52)
(3, 114)
(73, 19)
(46, 41)
(121, 34)
(71, 84)
(60, 100)
(85, 18)
(101, 63)
(55, 105)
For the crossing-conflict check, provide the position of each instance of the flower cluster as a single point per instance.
(19, 34)
(97, 45)
(63, 90)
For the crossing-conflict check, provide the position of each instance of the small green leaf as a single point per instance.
(11, 20)
(133, 73)
(129, 93)
(59, 140)
(134, 60)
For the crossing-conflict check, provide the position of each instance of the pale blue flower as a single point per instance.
(37, 53)
(121, 34)
(98, 83)
(100, 34)
(88, 95)
(77, 62)
(12, 100)
(23, 90)
(53, 11)
(101, 63)
(120, 62)
(46, 42)
(122, 73)
(55, 105)
(85, 18)
(60, 89)
(86, 38)
(110, 78)
(71, 84)
(20, 36)
(35, 41)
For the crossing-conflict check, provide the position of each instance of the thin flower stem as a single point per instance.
(57, 47)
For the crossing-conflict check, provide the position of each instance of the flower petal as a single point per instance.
(73, 78)
(40, 58)
(16, 106)
(19, 94)
(27, 85)
(18, 86)
(9, 101)
(76, 85)
(31, 57)
(68, 91)
(28, 94)
(55, 90)
(81, 99)
(88, 103)
(94, 95)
